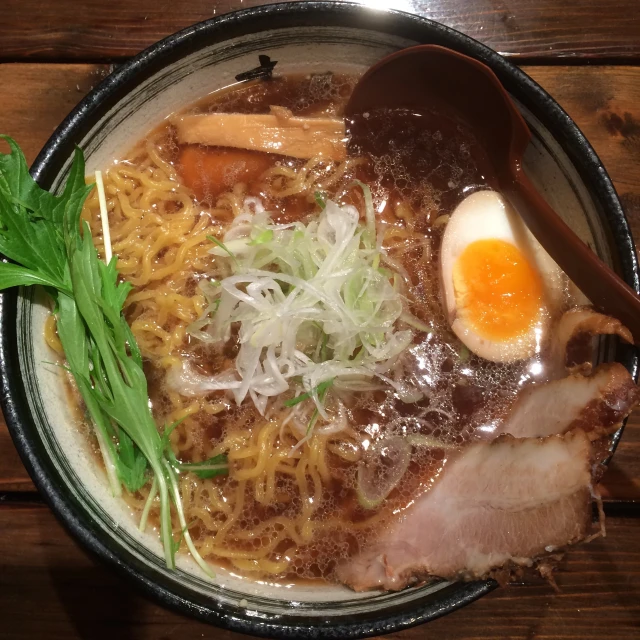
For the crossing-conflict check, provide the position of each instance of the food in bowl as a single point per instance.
(314, 364)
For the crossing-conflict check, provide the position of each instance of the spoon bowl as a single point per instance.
(431, 77)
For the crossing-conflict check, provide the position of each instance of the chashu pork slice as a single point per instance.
(596, 404)
(572, 342)
(498, 503)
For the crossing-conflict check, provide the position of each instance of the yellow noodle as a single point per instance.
(159, 234)
(51, 335)
(315, 175)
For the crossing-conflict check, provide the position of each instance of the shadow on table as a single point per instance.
(51, 589)
(96, 603)
(87, 600)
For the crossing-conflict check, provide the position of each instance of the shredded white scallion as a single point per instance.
(312, 303)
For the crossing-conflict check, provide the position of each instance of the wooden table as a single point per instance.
(584, 52)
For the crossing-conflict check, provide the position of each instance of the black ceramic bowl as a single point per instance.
(310, 36)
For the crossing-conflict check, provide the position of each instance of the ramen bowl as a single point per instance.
(307, 37)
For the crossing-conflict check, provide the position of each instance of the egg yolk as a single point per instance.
(498, 293)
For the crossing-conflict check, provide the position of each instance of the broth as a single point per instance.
(297, 517)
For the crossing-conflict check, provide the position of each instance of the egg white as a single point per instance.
(487, 215)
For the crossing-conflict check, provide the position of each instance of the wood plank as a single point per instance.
(36, 98)
(604, 101)
(39, 99)
(528, 30)
(77, 597)
(13, 475)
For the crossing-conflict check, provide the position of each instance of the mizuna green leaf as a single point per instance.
(215, 466)
(43, 235)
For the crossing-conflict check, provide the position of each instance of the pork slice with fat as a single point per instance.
(497, 503)
(596, 404)
(571, 347)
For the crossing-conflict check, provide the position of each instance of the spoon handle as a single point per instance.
(604, 288)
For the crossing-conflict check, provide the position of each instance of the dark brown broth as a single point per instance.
(427, 162)
(426, 157)
(303, 94)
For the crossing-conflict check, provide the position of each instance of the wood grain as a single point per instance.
(604, 101)
(528, 29)
(76, 597)
(36, 98)
(49, 587)
(13, 475)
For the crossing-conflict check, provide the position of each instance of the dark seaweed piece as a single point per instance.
(263, 72)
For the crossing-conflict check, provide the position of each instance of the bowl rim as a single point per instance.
(59, 147)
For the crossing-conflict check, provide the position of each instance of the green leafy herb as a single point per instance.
(175, 545)
(215, 466)
(131, 463)
(153, 492)
(42, 233)
(262, 238)
(321, 201)
(321, 395)
(168, 431)
(320, 390)
(221, 245)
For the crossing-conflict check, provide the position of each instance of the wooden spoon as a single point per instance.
(425, 75)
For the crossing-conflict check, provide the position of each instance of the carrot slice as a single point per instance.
(213, 170)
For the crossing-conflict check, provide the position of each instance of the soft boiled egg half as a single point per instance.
(500, 287)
